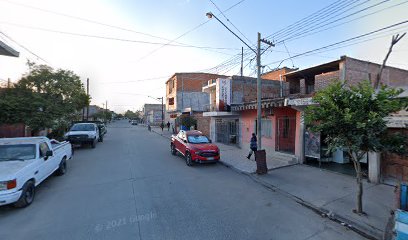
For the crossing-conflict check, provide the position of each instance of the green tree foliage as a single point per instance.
(354, 119)
(187, 121)
(43, 97)
(132, 115)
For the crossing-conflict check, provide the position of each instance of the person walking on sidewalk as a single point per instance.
(168, 126)
(253, 145)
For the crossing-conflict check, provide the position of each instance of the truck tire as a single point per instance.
(189, 160)
(173, 149)
(93, 144)
(62, 169)
(27, 196)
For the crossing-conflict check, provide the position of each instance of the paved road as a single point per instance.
(131, 187)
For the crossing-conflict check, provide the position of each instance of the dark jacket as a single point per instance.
(253, 144)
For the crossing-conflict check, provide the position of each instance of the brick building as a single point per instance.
(184, 95)
(234, 127)
(286, 114)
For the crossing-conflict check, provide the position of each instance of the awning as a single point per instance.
(265, 103)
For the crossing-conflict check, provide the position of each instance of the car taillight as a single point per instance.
(11, 184)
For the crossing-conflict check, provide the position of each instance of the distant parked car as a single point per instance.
(101, 126)
(133, 122)
(83, 133)
(195, 147)
(25, 163)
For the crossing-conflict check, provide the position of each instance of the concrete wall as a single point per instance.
(197, 101)
(247, 121)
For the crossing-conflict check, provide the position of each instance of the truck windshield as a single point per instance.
(17, 152)
(198, 139)
(83, 127)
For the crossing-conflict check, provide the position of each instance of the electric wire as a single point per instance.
(230, 22)
(315, 24)
(344, 41)
(25, 48)
(312, 17)
(342, 23)
(314, 27)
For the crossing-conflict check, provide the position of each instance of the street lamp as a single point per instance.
(162, 117)
(258, 82)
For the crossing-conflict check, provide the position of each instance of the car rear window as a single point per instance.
(83, 127)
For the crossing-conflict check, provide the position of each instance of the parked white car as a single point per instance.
(83, 133)
(25, 163)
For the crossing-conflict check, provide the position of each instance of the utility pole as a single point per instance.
(87, 93)
(8, 83)
(259, 81)
(259, 93)
(106, 111)
(162, 114)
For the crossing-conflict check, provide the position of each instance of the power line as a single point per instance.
(342, 23)
(230, 22)
(87, 20)
(324, 19)
(185, 33)
(307, 30)
(310, 18)
(117, 39)
(25, 48)
(347, 40)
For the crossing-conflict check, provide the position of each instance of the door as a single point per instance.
(45, 166)
(286, 134)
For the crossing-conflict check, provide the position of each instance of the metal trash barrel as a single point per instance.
(260, 158)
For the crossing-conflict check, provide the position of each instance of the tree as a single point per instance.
(354, 120)
(187, 121)
(132, 115)
(43, 98)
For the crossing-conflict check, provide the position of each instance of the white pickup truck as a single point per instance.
(25, 163)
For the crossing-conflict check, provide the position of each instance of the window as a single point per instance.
(171, 86)
(171, 101)
(43, 149)
(266, 125)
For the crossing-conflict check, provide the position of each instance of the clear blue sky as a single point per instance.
(115, 67)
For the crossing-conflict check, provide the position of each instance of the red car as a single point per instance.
(195, 147)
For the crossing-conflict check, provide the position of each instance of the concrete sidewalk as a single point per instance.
(328, 193)
(335, 195)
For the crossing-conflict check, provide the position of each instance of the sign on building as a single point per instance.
(312, 144)
(223, 94)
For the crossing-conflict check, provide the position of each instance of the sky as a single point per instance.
(129, 48)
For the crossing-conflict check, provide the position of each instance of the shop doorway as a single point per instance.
(227, 131)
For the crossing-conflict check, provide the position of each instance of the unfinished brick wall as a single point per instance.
(324, 79)
(193, 82)
(275, 75)
(246, 91)
(358, 70)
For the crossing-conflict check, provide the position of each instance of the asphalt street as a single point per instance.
(131, 187)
